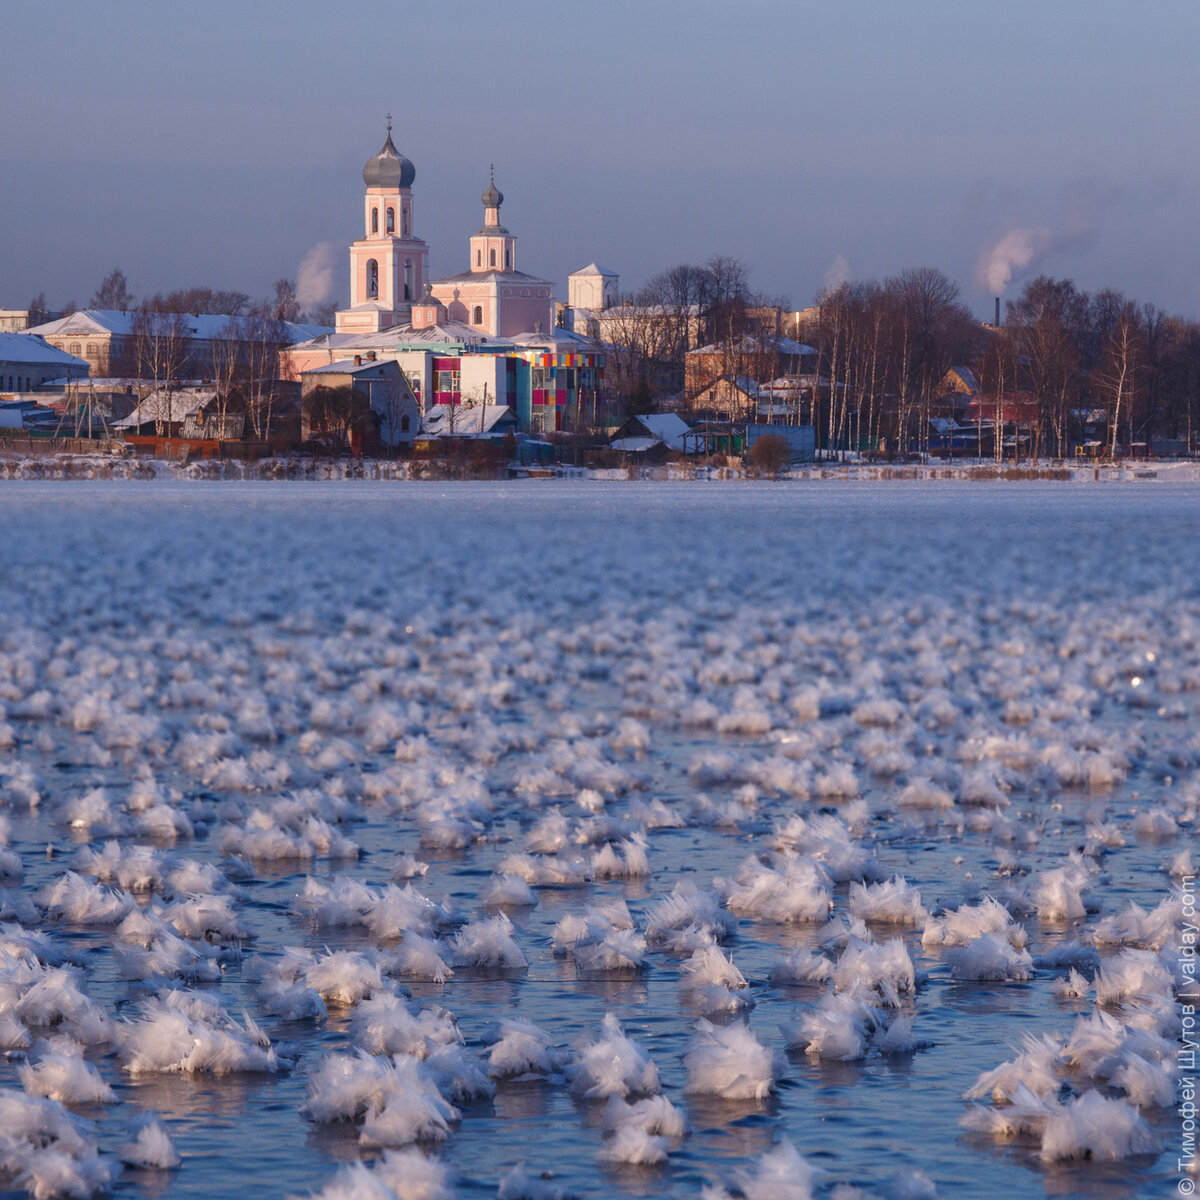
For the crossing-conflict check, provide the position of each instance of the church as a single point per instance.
(486, 335)
(389, 266)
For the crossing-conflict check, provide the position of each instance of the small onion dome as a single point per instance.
(493, 197)
(389, 168)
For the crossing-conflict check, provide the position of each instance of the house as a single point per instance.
(790, 399)
(163, 411)
(364, 404)
(28, 362)
(161, 346)
(647, 431)
(759, 357)
(729, 398)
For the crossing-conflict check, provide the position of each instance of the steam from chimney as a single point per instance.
(1083, 205)
(314, 279)
(838, 273)
(1015, 251)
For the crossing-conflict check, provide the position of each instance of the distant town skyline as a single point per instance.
(223, 145)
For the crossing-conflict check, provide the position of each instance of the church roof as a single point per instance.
(497, 276)
(389, 168)
(444, 333)
(592, 269)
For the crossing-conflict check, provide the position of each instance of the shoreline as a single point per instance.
(104, 467)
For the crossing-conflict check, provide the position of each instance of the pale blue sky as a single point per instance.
(218, 143)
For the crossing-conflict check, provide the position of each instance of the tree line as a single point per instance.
(113, 293)
(1065, 365)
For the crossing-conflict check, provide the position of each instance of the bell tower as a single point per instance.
(388, 264)
(493, 248)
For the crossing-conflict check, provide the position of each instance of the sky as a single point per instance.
(221, 144)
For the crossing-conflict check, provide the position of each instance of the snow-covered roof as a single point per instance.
(449, 333)
(347, 366)
(492, 276)
(647, 311)
(208, 326)
(743, 383)
(464, 420)
(30, 348)
(665, 427)
(592, 269)
(445, 333)
(166, 405)
(750, 344)
(635, 445)
(554, 338)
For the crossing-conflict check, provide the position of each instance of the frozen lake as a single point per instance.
(681, 737)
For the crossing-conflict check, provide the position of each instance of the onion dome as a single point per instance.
(493, 197)
(389, 168)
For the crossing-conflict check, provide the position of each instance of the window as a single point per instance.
(477, 315)
(540, 378)
(479, 258)
(404, 221)
(507, 259)
(75, 348)
(405, 423)
(447, 381)
(391, 220)
(408, 279)
(491, 258)
(374, 220)
(91, 349)
(372, 279)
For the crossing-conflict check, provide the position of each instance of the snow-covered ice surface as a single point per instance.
(369, 840)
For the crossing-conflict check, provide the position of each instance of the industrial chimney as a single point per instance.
(997, 312)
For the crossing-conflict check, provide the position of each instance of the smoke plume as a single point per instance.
(1083, 204)
(839, 273)
(1016, 250)
(314, 279)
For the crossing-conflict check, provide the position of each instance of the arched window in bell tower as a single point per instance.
(408, 279)
(372, 279)
(391, 220)
(404, 222)
(479, 258)
(491, 258)
(477, 315)
(374, 220)
(507, 259)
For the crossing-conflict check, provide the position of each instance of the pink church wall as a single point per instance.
(520, 314)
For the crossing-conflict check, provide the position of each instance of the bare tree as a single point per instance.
(266, 337)
(113, 292)
(161, 350)
(286, 306)
(1047, 320)
(1121, 361)
(38, 310)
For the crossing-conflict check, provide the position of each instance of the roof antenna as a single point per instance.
(389, 122)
